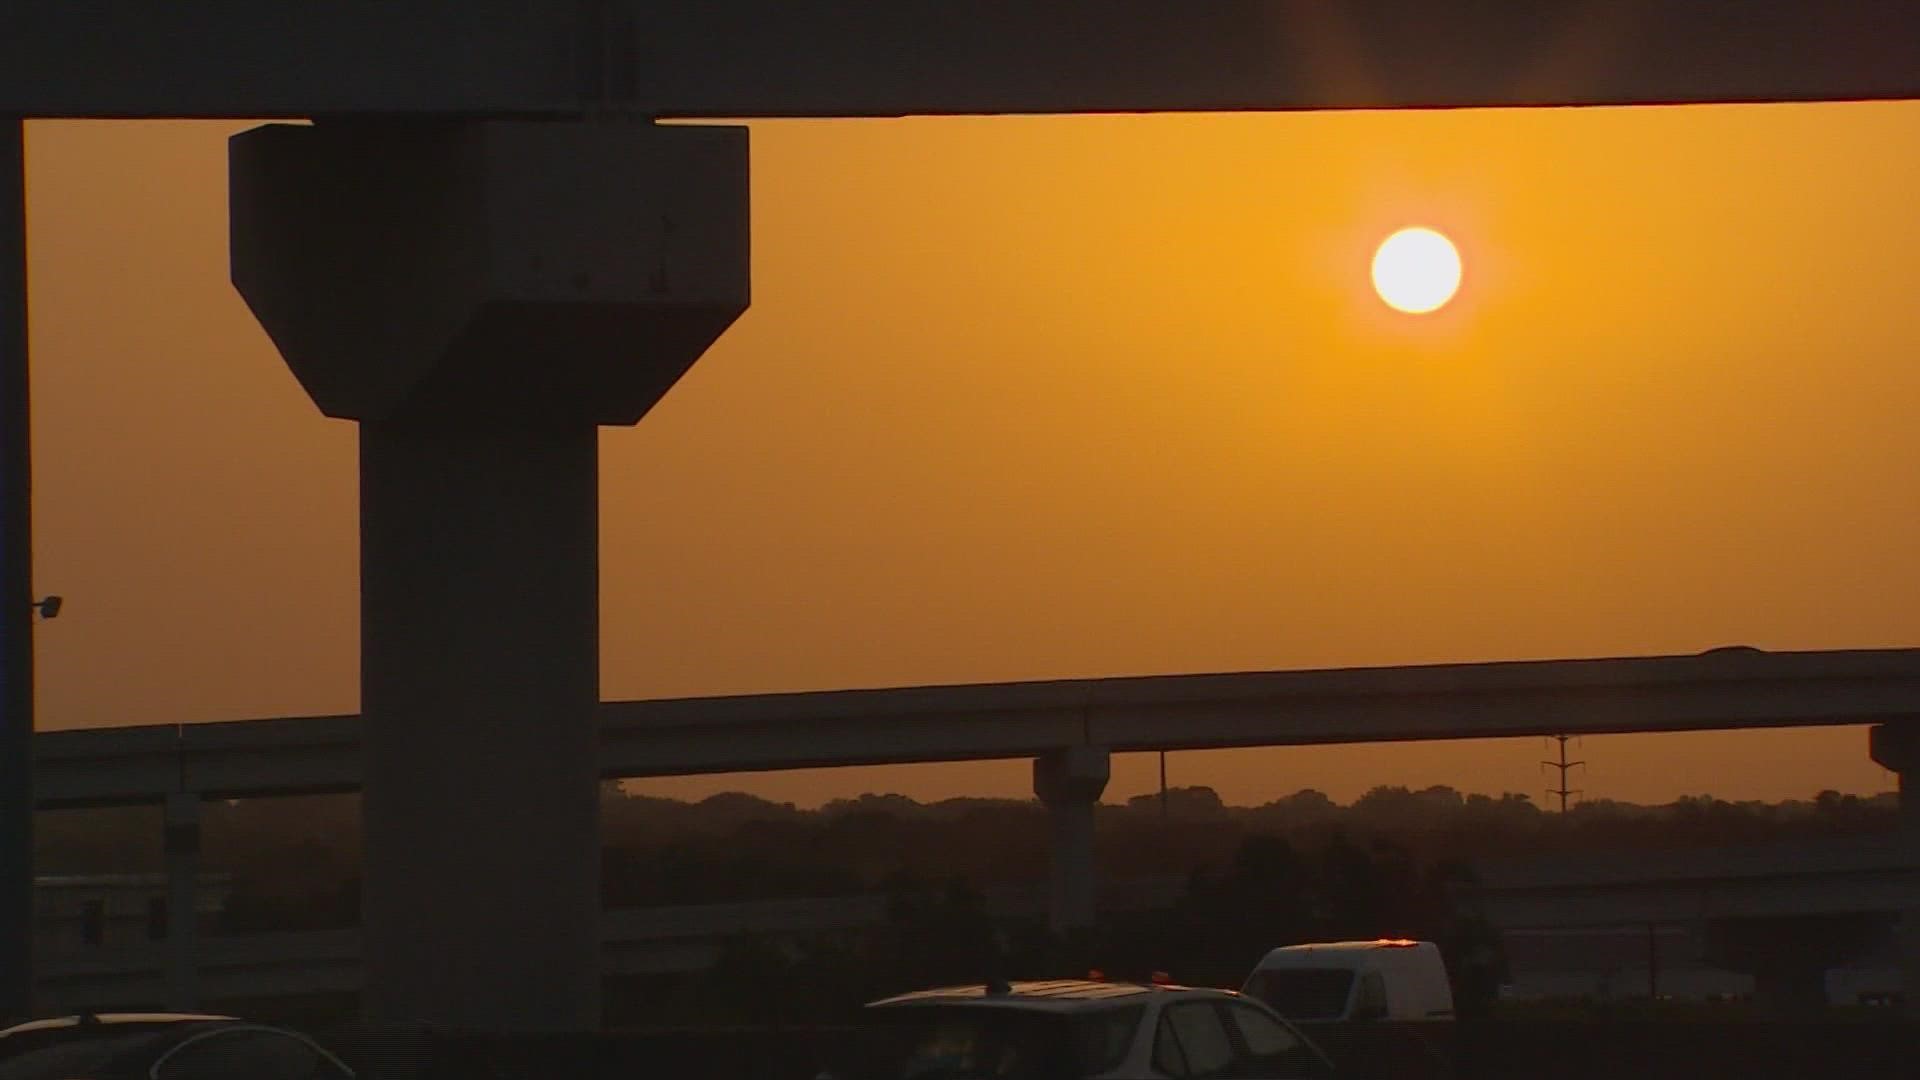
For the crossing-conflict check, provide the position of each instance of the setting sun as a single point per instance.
(1416, 270)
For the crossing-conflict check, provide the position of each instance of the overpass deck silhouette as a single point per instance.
(1718, 689)
(1835, 876)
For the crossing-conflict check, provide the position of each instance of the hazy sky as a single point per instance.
(1056, 397)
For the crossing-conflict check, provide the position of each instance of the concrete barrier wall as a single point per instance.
(1656, 1050)
(1649, 1050)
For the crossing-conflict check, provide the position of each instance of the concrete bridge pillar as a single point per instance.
(480, 296)
(1898, 749)
(1788, 956)
(1069, 782)
(182, 855)
(16, 589)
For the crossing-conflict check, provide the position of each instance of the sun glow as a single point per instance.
(1416, 270)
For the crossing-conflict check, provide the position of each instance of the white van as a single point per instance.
(1344, 981)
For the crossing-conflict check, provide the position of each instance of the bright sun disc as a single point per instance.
(1416, 271)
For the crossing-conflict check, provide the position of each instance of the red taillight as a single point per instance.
(1096, 975)
(1161, 978)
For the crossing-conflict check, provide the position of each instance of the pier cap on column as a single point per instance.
(567, 271)
(1073, 774)
(1896, 748)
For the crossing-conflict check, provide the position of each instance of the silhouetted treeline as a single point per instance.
(940, 931)
(295, 861)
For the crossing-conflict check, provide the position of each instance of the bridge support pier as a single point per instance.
(1898, 749)
(16, 588)
(182, 853)
(1069, 782)
(479, 675)
(481, 295)
(1788, 956)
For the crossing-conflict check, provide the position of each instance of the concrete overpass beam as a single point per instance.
(1069, 782)
(481, 295)
(1898, 749)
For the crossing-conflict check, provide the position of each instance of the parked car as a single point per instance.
(1381, 1008)
(1075, 1029)
(161, 1046)
(1347, 981)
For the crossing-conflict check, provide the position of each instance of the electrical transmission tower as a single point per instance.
(1563, 765)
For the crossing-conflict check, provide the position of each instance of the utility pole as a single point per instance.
(1563, 765)
(16, 590)
(1163, 785)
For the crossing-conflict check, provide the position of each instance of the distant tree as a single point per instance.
(1301, 867)
(937, 933)
(301, 886)
(753, 981)
(898, 806)
(1303, 809)
(1259, 900)
(1187, 803)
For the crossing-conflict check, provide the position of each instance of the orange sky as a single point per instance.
(1053, 397)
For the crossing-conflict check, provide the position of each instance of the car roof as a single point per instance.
(1349, 946)
(1051, 995)
(88, 1019)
